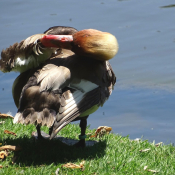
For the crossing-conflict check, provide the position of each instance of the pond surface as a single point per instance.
(143, 102)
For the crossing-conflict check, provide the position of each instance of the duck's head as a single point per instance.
(89, 43)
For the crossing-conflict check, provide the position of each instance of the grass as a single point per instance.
(113, 154)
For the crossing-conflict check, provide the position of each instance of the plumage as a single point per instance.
(24, 55)
(66, 86)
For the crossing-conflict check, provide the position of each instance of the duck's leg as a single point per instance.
(39, 131)
(50, 130)
(83, 125)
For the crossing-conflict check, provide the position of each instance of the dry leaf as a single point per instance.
(1, 166)
(102, 130)
(3, 154)
(153, 171)
(145, 167)
(9, 132)
(57, 171)
(136, 139)
(158, 144)
(5, 116)
(10, 147)
(73, 166)
(145, 150)
(89, 134)
(82, 163)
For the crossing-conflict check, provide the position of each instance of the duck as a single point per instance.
(65, 76)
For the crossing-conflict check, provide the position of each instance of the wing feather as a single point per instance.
(86, 101)
(52, 77)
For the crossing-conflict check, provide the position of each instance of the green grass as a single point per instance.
(113, 154)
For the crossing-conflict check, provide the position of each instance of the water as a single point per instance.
(142, 104)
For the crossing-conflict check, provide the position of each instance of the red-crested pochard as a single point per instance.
(64, 76)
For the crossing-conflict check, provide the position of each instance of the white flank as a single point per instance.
(84, 86)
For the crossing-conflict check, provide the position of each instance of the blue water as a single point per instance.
(142, 104)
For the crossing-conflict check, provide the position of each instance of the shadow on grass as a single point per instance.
(52, 151)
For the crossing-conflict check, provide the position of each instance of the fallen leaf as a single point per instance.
(102, 130)
(42, 165)
(74, 166)
(82, 163)
(1, 166)
(158, 144)
(5, 116)
(145, 167)
(57, 171)
(10, 147)
(145, 150)
(136, 140)
(71, 165)
(153, 171)
(89, 134)
(9, 132)
(3, 154)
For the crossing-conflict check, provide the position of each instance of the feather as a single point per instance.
(53, 77)
(89, 100)
(33, 118)
(24, 55)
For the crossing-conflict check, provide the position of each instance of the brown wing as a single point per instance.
(19, 83)
(52, 77)
(40, 99)
(29, 49)
(24, 55)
